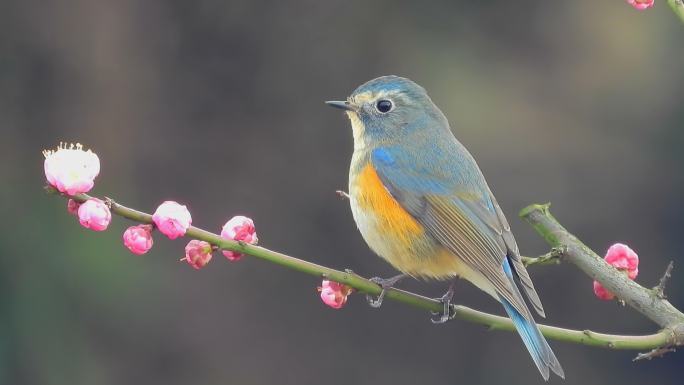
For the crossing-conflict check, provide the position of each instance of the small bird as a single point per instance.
(421, 203)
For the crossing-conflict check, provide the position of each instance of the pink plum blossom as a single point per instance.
(239, 228)
(622, 258)
(138, 239)
(72, 207)
(334, 294)
(197, 253)
(71, 170)
(641, 4)
(602, 292)
(94, 214)
(172, 219)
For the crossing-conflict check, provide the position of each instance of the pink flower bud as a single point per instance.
(138, 239)
(70, 169)
(601, 292)
(72, 207)
(172, 219)
(622, 258)
(641, 4)
(334, 294)
(197, 253)
(239, 228)
(94, 214)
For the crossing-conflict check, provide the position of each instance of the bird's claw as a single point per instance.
(445, 315)
(384, 283)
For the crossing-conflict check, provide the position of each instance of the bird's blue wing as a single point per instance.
(449, 197)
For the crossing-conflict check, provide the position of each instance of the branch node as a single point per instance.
(659, 290)
(559, 251)
(109, 202)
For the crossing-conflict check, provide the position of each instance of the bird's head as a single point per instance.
(389, 109)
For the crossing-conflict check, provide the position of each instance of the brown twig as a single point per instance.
(659, 290)
(342, 194)
(657, 352)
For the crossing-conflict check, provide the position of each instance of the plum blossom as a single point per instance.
(70, 169)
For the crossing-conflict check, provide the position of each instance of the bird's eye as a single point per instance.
(383, 106)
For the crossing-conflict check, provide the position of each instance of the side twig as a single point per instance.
(553, 257)
(659, 290)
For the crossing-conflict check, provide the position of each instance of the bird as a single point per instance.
(421, 203)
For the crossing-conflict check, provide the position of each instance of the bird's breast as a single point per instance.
(393, 233)
(372, 198)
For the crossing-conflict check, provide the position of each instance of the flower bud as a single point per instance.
(138, 239)
(172, 219)
(72, 207)
(94, 214)
(622, 258)
(239, 228)
(197, 253)
(334, 294)
(641, 4)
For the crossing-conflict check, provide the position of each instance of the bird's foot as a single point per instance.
(445, 315)
(384, 283)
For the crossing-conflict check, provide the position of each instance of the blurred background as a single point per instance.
(219, 104)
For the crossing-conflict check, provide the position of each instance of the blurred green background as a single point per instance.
(219, 104)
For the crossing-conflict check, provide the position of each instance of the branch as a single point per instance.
(645, 301)
(349, 278)
(678, 8)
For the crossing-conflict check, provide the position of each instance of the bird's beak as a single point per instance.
(343, 105)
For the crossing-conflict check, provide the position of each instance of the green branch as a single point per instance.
(678, 8)
(584, 337)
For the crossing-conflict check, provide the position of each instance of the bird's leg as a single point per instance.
(446, 301)
(384, 283)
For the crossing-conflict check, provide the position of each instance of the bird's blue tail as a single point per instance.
(534, 341)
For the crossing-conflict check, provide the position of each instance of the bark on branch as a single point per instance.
(649, 302)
